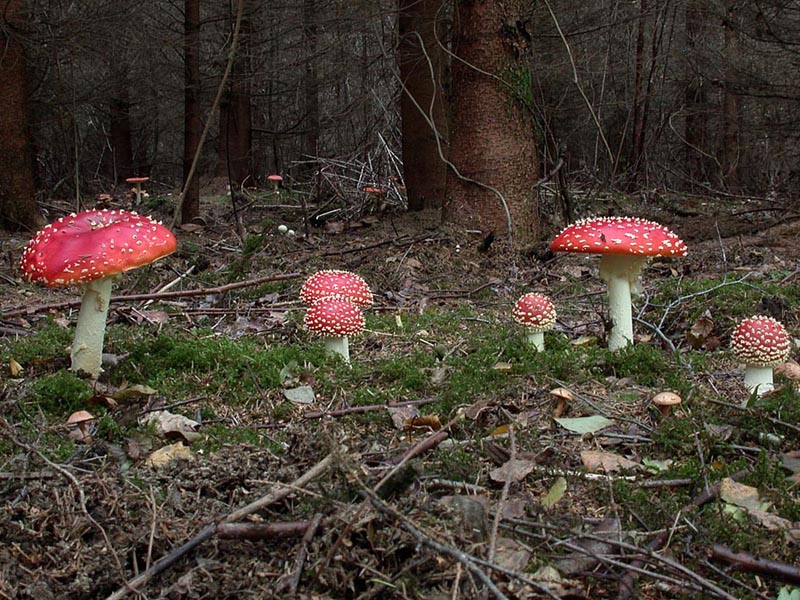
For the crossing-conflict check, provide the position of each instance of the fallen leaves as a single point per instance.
(598, 461)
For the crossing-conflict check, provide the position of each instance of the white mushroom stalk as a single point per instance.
(625, 244)
(334, 318)
(86, 354)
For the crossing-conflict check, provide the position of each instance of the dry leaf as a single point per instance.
(743, 496)
(501, 430)
(163, 456)
(555, 493)
(401, 415)
(426, 421)
(502, 366)
(597, 461)
(509, 553)
(14, 367)
(171, 425)
(790, 369)
(513, 470)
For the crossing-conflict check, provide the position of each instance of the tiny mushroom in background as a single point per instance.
(80, 419)
(90, 248)
(562, 396)
(332, 282)
(761, 343)
(137, 181)
(334, 318)
(276, 181)
(625, 244)
(664, 401)
(537, 313)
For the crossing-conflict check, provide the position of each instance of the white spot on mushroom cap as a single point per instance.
(334, 316)
(333, 282)
(619, 235)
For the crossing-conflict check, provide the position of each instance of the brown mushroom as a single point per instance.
(562, 396)
(81, 418)
(665, 401)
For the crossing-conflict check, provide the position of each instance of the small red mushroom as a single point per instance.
(276, 181)
(761, 343)
(332, 282)
(537, 313)
(90, 248)
(137, 181)
(334, 318)
(625, 244)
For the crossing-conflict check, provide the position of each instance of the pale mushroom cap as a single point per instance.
(333, 316)
(94, 244)
(337, 283)
(274, 178)
(80, 416)
(535, 311)
(619, 235)
(761, 342)
(562, 393)
(666, 399)
(137, 179)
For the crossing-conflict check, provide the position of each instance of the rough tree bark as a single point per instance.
(729, 104)
(235, 115)
(18, 208)
(192, 125)
(491, 133)
(422, 103)
(696, 96)
(311, 123)
(121, 166)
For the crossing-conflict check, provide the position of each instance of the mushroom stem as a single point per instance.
(620, 272)
(536, 339)
(758, 380)
(87, 347)
(338, 345)
(138, 194)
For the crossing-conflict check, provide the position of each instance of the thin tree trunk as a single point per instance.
(695, 96)
(18, 208)
(311, 85)
(638, 118)
(120, 126)
(729, 107)
(192, 125)
(422, 104)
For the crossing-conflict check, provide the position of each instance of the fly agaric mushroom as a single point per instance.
(664, 401)
(334, 318)
(137, 181)
(90, 248)
(80, 418)
(761, 343)
(625, 244)
(333, 282)
(276, 181)
(537, 313)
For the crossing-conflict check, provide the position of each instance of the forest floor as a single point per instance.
(432, 468)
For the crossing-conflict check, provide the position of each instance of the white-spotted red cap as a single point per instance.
(761, 342)
(534, 311)
(619, 235)
(94, 244)
(337, 283)
(333, 316)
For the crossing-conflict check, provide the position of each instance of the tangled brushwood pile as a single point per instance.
(227, 455)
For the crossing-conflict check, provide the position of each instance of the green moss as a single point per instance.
(60, 393)
(48, 345)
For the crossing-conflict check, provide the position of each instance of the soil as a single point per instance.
(83, 527)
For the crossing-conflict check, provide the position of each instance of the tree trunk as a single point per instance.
(310, 86)
(120, 126)
(192, 124)
(729, 106)
(491, 136)
(637, 139)
(235, 131)
(422, 103)
(18, 208)
(695, 97)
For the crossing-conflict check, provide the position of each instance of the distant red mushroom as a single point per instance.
(625, 244)
(761, 343)
(90, 248)
(137, 181)
(334, 282)
(537, 313)
(374, 190)
(276, 181)
(334, 318)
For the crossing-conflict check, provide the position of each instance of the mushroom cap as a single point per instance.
(562, 393)
(333, 316)
(373, 190)
(94, 244)
(619, 235)
(274, 178)
(79, 416)
(666, 399)
(137, 179)
(535, 311)
(332, 282)
(761, 342)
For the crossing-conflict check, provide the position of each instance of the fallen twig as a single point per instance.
(302, 554)
(207, 532)
(260, 531)
(749, 563)
(319, 414)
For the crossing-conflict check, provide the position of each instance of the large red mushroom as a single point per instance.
(90, 248)
(334, 318)
(625, 243)
(333, 282)
(761, 343)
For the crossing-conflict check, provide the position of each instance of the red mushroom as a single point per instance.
(276, 181)
(761, 343)
(625, 244)
(90, 248)
(334, 318)
(137, 181)
(332, 282)
(537, 313)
